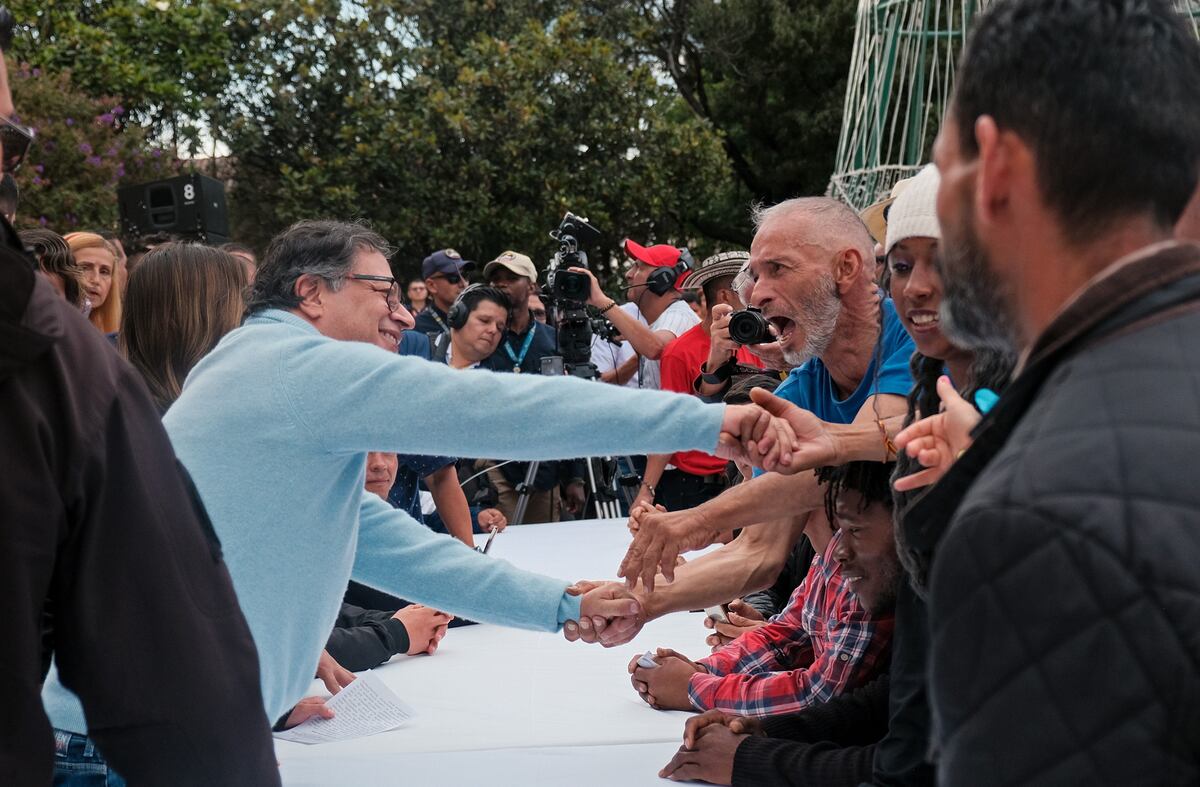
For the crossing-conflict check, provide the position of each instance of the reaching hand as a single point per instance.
(425, 627)
(751, 433)
(307, 708)
(937, 441)
(333, 675)
(659, 538)
(664, 687)
(492, 519)
(608, 614)
(742, 618)
(815, 445)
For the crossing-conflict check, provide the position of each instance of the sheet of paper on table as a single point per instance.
(363, 708)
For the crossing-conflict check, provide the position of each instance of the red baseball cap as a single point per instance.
(661, 255)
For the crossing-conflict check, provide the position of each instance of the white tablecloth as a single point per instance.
(499, 706)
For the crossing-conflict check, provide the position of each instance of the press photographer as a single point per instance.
(653, 280)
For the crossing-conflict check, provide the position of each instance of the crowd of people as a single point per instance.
(956, 540)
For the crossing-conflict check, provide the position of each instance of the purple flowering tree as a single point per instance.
(81, 154)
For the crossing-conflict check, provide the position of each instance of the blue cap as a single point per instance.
(445, 261)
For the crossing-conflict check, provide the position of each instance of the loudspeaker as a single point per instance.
(191, 206)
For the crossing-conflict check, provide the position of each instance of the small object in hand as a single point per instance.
(488, 544)
(719, 613)
(646, 660)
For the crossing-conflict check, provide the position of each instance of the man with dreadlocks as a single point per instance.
(833, 636)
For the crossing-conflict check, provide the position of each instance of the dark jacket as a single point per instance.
(98, 525)
(365, 638)
(1065, 594)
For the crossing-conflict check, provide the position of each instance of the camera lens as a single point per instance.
(749, 327)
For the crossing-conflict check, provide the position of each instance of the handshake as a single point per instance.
(609, 613)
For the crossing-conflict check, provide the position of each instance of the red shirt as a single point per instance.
(678, 367)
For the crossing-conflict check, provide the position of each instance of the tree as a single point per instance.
(80, 155)
(467, 124)
(170, 61)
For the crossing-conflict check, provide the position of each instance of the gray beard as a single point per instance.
(819, 312)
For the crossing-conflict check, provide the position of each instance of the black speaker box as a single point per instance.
(190, 206)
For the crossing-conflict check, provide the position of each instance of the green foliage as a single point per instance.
(79, 156)
(170, 61)
(467, 124)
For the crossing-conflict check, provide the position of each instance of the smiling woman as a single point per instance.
(97, 260)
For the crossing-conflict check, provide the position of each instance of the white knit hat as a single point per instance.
(914, 213)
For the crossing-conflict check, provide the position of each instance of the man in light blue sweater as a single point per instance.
(275, 424)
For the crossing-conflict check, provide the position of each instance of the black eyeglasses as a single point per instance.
(16, 140)
(393, 292)
(452, 278)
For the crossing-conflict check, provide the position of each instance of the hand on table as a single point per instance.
(492, 519)
(937, 441)
(710, 742)
(574, 497)
(742, 618)
(307, 708)
(609, 614)
(333, 675)
(659, 536)
(425, 627)
(664, 687)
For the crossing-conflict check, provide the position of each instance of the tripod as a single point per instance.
(607, 486)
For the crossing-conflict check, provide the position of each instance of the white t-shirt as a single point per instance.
(678, 318)
(608, 356)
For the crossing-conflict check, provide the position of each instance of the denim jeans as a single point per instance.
(78, 764)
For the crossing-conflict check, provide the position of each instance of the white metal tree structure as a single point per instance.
(901, 75)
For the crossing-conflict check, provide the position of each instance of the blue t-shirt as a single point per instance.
(810, 386)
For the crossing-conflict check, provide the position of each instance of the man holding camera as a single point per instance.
(655, 291)
(445, 273)
(688, 478)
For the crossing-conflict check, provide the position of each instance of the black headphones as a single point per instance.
(662, 280)
(460, 310)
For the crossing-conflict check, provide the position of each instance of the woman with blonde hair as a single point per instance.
(97, 260)
(180, 300)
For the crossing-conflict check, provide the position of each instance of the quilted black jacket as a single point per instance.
(1065, 594)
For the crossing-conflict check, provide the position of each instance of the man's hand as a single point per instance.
(575, 497)
(492, 519)
(742, 618)
(307, 708)
(742, 725)
(815, 446)
(596, 296)
(609, 614)
(711, 760)
(665, 687)
(657, 541)
(722, 347)
(937, 441)
(425, 627)
(333, 675)
(751, 433)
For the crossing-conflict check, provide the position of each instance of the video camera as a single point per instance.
(570, 291)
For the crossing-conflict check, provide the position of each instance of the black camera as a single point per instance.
(750, 327)
(572, 234)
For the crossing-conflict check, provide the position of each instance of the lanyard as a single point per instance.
(517, 359)
(433, 313)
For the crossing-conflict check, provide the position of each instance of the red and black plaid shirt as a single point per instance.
(823, 644)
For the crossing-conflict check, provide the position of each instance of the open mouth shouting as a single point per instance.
(784, 327)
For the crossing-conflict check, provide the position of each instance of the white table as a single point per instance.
(499, 706)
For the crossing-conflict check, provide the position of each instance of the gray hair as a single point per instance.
(834, 224)
(318, 248)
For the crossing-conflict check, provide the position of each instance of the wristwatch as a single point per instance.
(720, 375)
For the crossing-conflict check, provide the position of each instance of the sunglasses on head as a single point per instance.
(16, 140)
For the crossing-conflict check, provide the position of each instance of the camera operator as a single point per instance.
(666, 314)
(522, 348)
(445, 274)
(686, 479)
